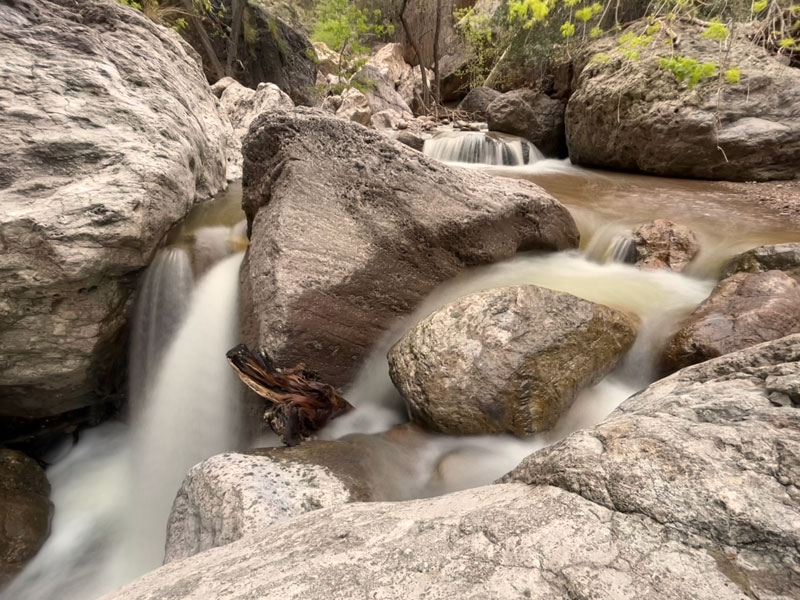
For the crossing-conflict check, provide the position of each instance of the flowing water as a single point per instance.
(113, 491)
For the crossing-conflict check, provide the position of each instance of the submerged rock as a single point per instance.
(509, 360)
(780, 257)
(743, 310)
(350, 231)
(663, 244)
(243, 105)
(108, 134)
(531, 115)
(25, 511)
(641, 117)
(687, 492)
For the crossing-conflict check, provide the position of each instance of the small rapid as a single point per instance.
(482, 148)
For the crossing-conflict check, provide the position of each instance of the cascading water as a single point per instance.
(191, 413)
(478, 147)
(161, 304)
(114, 491)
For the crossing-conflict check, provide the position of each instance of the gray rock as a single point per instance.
(663, 244)
(509, 360)
(25, 511)
(477, 101)
(350, 230)
(354, 107)
(221, 85)
(687, 492)
(411, 139)
(242, 105)
(108, 134)
(641, 118)
(231, 496)
(269, 50)
(742, 310)
(531, 115)
(781, 257)
(706, 456)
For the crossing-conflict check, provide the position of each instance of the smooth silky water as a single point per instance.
(113, 491)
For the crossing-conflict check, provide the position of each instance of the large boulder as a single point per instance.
(350, 230)
(230, 496)
(353, 106)
(743, 310)
(242, 105)
(25, 511)
(780, 257)
(709, 457)
(477, 101)
(663, 244)
(108, 134)
(531, 115)
(641, 117)
(509, 360)
(269, 49)
(687, 492)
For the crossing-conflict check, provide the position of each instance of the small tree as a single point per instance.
(345, 28)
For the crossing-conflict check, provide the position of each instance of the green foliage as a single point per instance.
(733, 75)
(345, 29)
(600, 58)
(688, 70)
(716, 31)
(760, 6)
(567, 30)
(132, 4)
(530, 12)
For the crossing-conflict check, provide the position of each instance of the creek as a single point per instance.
(114, 489)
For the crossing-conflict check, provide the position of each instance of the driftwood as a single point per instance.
(298, 403)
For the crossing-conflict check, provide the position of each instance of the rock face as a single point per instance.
(506, 360)
(25, 511)
(531, 115)
(743, 310)
(108, 134)
(231, 496)
(781, 257)
(354, 107)
(642, 118)
(350, 230)
(478, 100)
(688, 491)
(242, 105)
(708, 457)
(394, 81)
(269, 50)
(663, 244)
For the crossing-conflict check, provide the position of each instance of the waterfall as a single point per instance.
(161, 304)
(478, 147)
(114, 491)
(191, 412)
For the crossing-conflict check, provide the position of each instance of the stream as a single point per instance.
(113, 490)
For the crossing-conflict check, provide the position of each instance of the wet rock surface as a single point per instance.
(350, 230)
(663, 244)
(531, 115)
(509, 360)
(688, 491)
(108, 134)
(742, 310)
(641, 118)
(25, 511)
(780, 257)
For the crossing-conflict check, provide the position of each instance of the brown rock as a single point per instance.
(25, 511)
(531, 115)
(350, 230)
(743, 310)
(663, 244)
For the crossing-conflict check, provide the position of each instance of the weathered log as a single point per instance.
(298, 403)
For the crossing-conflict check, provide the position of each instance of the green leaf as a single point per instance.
(760, 5)
(567, 30)
(733, 75)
